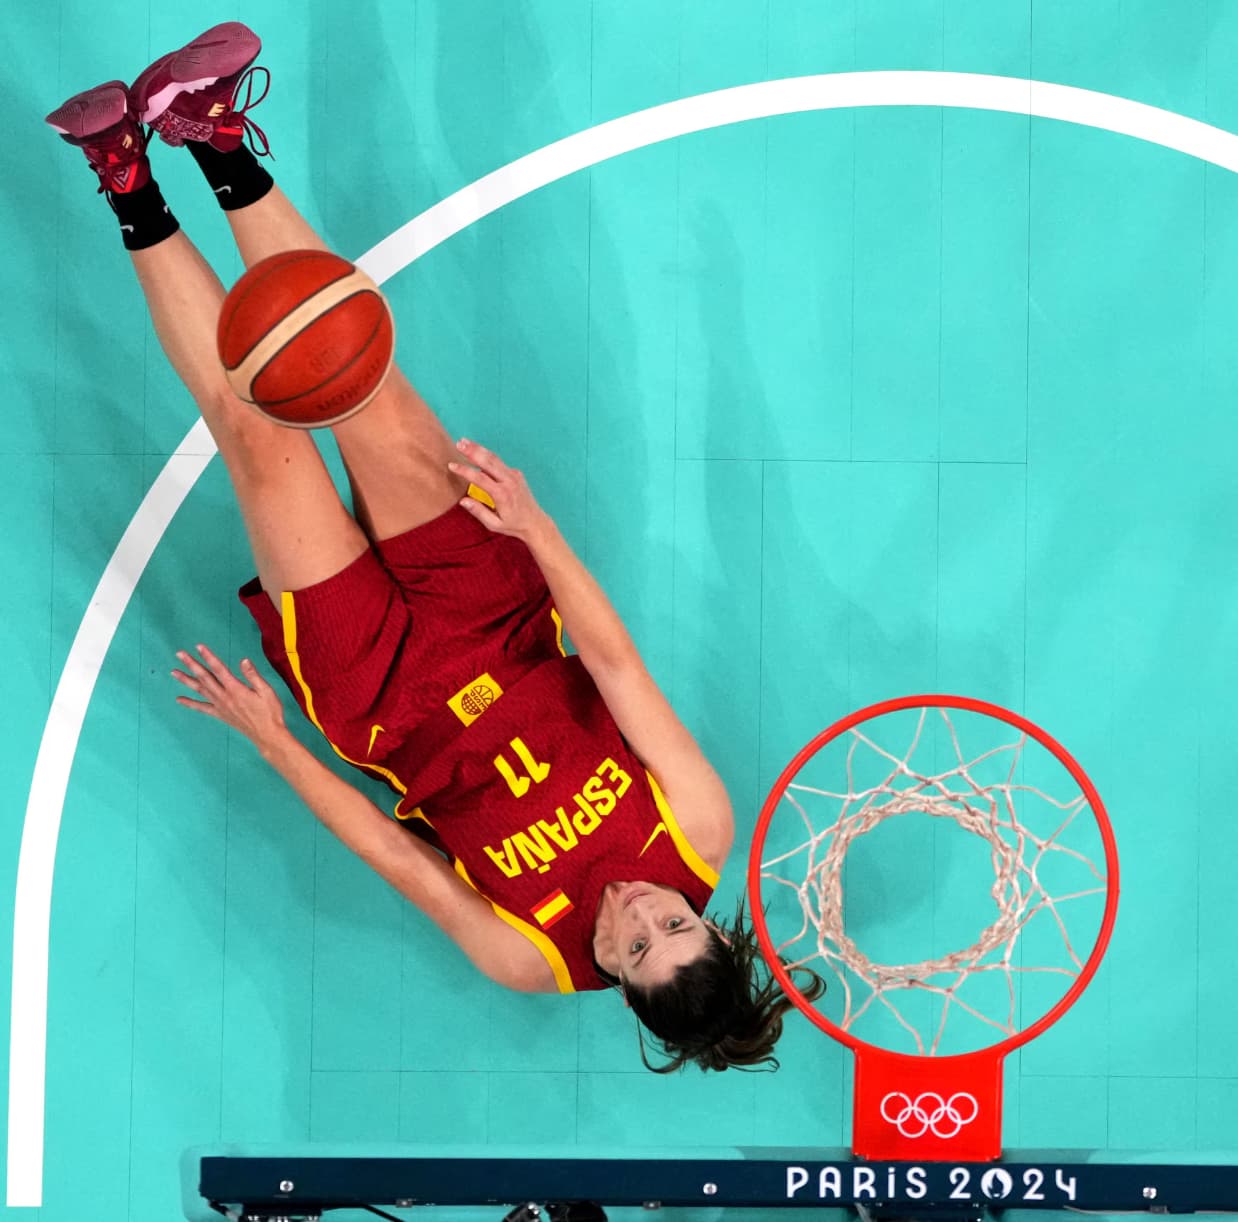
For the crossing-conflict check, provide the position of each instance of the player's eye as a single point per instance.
(674, 922)
(638, 946)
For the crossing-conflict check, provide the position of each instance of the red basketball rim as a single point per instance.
(967, 704)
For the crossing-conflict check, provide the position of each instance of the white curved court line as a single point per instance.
(36, 863)
(844, 90)
(32, 909)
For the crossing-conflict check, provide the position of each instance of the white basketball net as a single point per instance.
(990, 811)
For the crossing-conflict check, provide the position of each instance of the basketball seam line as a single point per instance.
(335, 373)
(242, 292)
(279, 336)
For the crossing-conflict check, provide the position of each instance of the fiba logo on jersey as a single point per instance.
(477, 699)
(474, 698)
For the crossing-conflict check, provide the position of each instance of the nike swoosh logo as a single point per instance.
(656, 831)
(127, 228)
(221, 190)
(375, 731)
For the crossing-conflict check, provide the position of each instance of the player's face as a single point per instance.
(645, 932)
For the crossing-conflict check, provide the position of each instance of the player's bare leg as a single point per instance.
(396, 450)
(299, 530)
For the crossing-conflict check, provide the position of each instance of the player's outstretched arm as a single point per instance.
(250, 705)
(644, 716)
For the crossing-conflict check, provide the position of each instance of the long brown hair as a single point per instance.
(721, 1010)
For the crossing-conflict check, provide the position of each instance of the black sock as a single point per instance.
(236, 177)
(145, 219)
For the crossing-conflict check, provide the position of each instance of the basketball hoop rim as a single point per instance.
(968, 704)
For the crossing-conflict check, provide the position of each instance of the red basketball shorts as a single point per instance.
(375, 654)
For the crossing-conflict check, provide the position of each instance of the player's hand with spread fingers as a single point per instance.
(516, 511)
(247, 703)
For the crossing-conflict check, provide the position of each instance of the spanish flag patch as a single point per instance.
(553, 908)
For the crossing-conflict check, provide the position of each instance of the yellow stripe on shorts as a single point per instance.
(288, 609)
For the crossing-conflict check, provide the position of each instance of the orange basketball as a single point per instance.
(306, 337)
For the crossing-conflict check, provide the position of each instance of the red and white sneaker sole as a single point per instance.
(220, 51)
(87, 114)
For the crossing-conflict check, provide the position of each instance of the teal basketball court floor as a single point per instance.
(838, 405)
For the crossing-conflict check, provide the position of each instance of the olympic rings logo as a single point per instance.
(929, 1113)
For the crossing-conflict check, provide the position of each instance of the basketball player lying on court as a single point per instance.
(569, 832)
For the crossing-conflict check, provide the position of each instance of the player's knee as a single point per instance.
(259, 452)
(229, 414)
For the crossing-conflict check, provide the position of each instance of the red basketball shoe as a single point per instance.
(100, 121)
(192, 94)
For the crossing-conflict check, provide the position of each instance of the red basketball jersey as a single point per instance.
(541, 803)
(521, 776)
